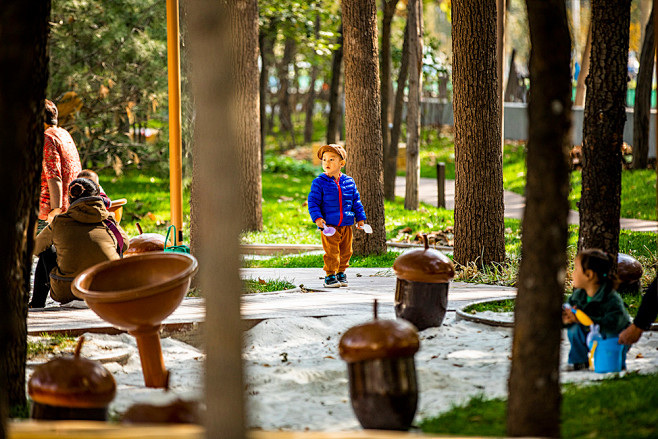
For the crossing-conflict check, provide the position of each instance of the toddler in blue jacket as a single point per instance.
(335, 201)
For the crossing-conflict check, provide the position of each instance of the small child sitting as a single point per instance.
(93, 176)
(335, 201)
(594, 294)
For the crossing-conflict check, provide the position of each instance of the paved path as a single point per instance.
(514, 204)
(366, 284)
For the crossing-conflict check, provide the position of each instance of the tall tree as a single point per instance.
(388, 11)
(479, 209)
(212, 31)
(415, 29)
(603, 126)
(534, 388)
(247, 126)
(310, 97)
(334, 122)
(285, 106)
(642, 112)
(391, 157)
(23, 80)
(362, 118)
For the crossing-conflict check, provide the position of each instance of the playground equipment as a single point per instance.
(71, 387)
(421, 292)
(382, 372)
(136, 294)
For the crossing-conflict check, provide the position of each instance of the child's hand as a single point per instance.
(568, 317)
(360, 224)
(320, 223)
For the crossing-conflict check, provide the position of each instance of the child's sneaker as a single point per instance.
(331, 281)
(342, 278)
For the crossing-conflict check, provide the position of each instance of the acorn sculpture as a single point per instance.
(382, 372)
(178, 411)
(71, 387)
(421, 292)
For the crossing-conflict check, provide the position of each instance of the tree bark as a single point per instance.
(415, 14)
(310, 97)
(642, 111)
(603, 127)
(23, 81)
(211, 32)
(285, 110)
(584, 70)
(388, 7)
(265, 44)
(479, 209)
(534, 388)
(247, 123)
(334, 122)
(391, 159)
(362, 119)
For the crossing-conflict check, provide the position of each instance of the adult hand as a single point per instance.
(630, 335)
(320, 223)
(52, 214)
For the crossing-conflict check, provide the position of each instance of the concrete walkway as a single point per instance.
(514, 204)
(311, 300)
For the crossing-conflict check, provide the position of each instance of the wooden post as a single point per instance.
(441, 184)
(175, 136)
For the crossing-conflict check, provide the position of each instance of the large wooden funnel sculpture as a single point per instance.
(136, 294)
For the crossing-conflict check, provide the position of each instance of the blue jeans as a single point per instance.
(578, 338)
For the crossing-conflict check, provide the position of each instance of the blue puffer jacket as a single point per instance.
(338, 203)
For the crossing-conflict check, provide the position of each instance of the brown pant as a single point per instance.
(337, 250)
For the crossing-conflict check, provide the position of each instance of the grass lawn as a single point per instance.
(591, 411)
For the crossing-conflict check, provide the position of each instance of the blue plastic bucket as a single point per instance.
(608, 355)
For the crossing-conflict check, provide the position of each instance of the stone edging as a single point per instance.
(461, 314)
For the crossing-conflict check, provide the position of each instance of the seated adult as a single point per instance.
(645, 316)
(85, 235)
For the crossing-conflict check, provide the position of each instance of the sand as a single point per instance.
(295, 379)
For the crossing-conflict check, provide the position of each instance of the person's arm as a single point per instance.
(43, 240)
(357, 207)
(55, 190)
(646, 315)
(314, 202)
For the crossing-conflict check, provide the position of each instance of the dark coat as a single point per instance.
(606, 309)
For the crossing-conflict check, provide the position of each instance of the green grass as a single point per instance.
(309, 261)
(638, 186)
(265, 285)
(50, 344)
(589, 411)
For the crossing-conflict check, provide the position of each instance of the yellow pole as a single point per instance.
(175, 137)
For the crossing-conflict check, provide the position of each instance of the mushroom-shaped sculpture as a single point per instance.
(421, 292)
(136, 294)
(176, 412)
(71, 387)
(382, 372)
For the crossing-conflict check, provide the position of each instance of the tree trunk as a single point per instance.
(362, 119)
(265, 44)
(310, 97)
(534, 388)
(642, 111)
(415, 29)
(212, 78)
(603, 127)
(23, 80)
(511, 90)
(388, 7)
(333, 124)
(479, 209)
(391, 159)
(246, 120)
(285, 110)
(584, 70)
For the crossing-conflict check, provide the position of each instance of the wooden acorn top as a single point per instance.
(424, 265)
(145, 243)
(379, 339)
(176, 412)
(72, 381)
